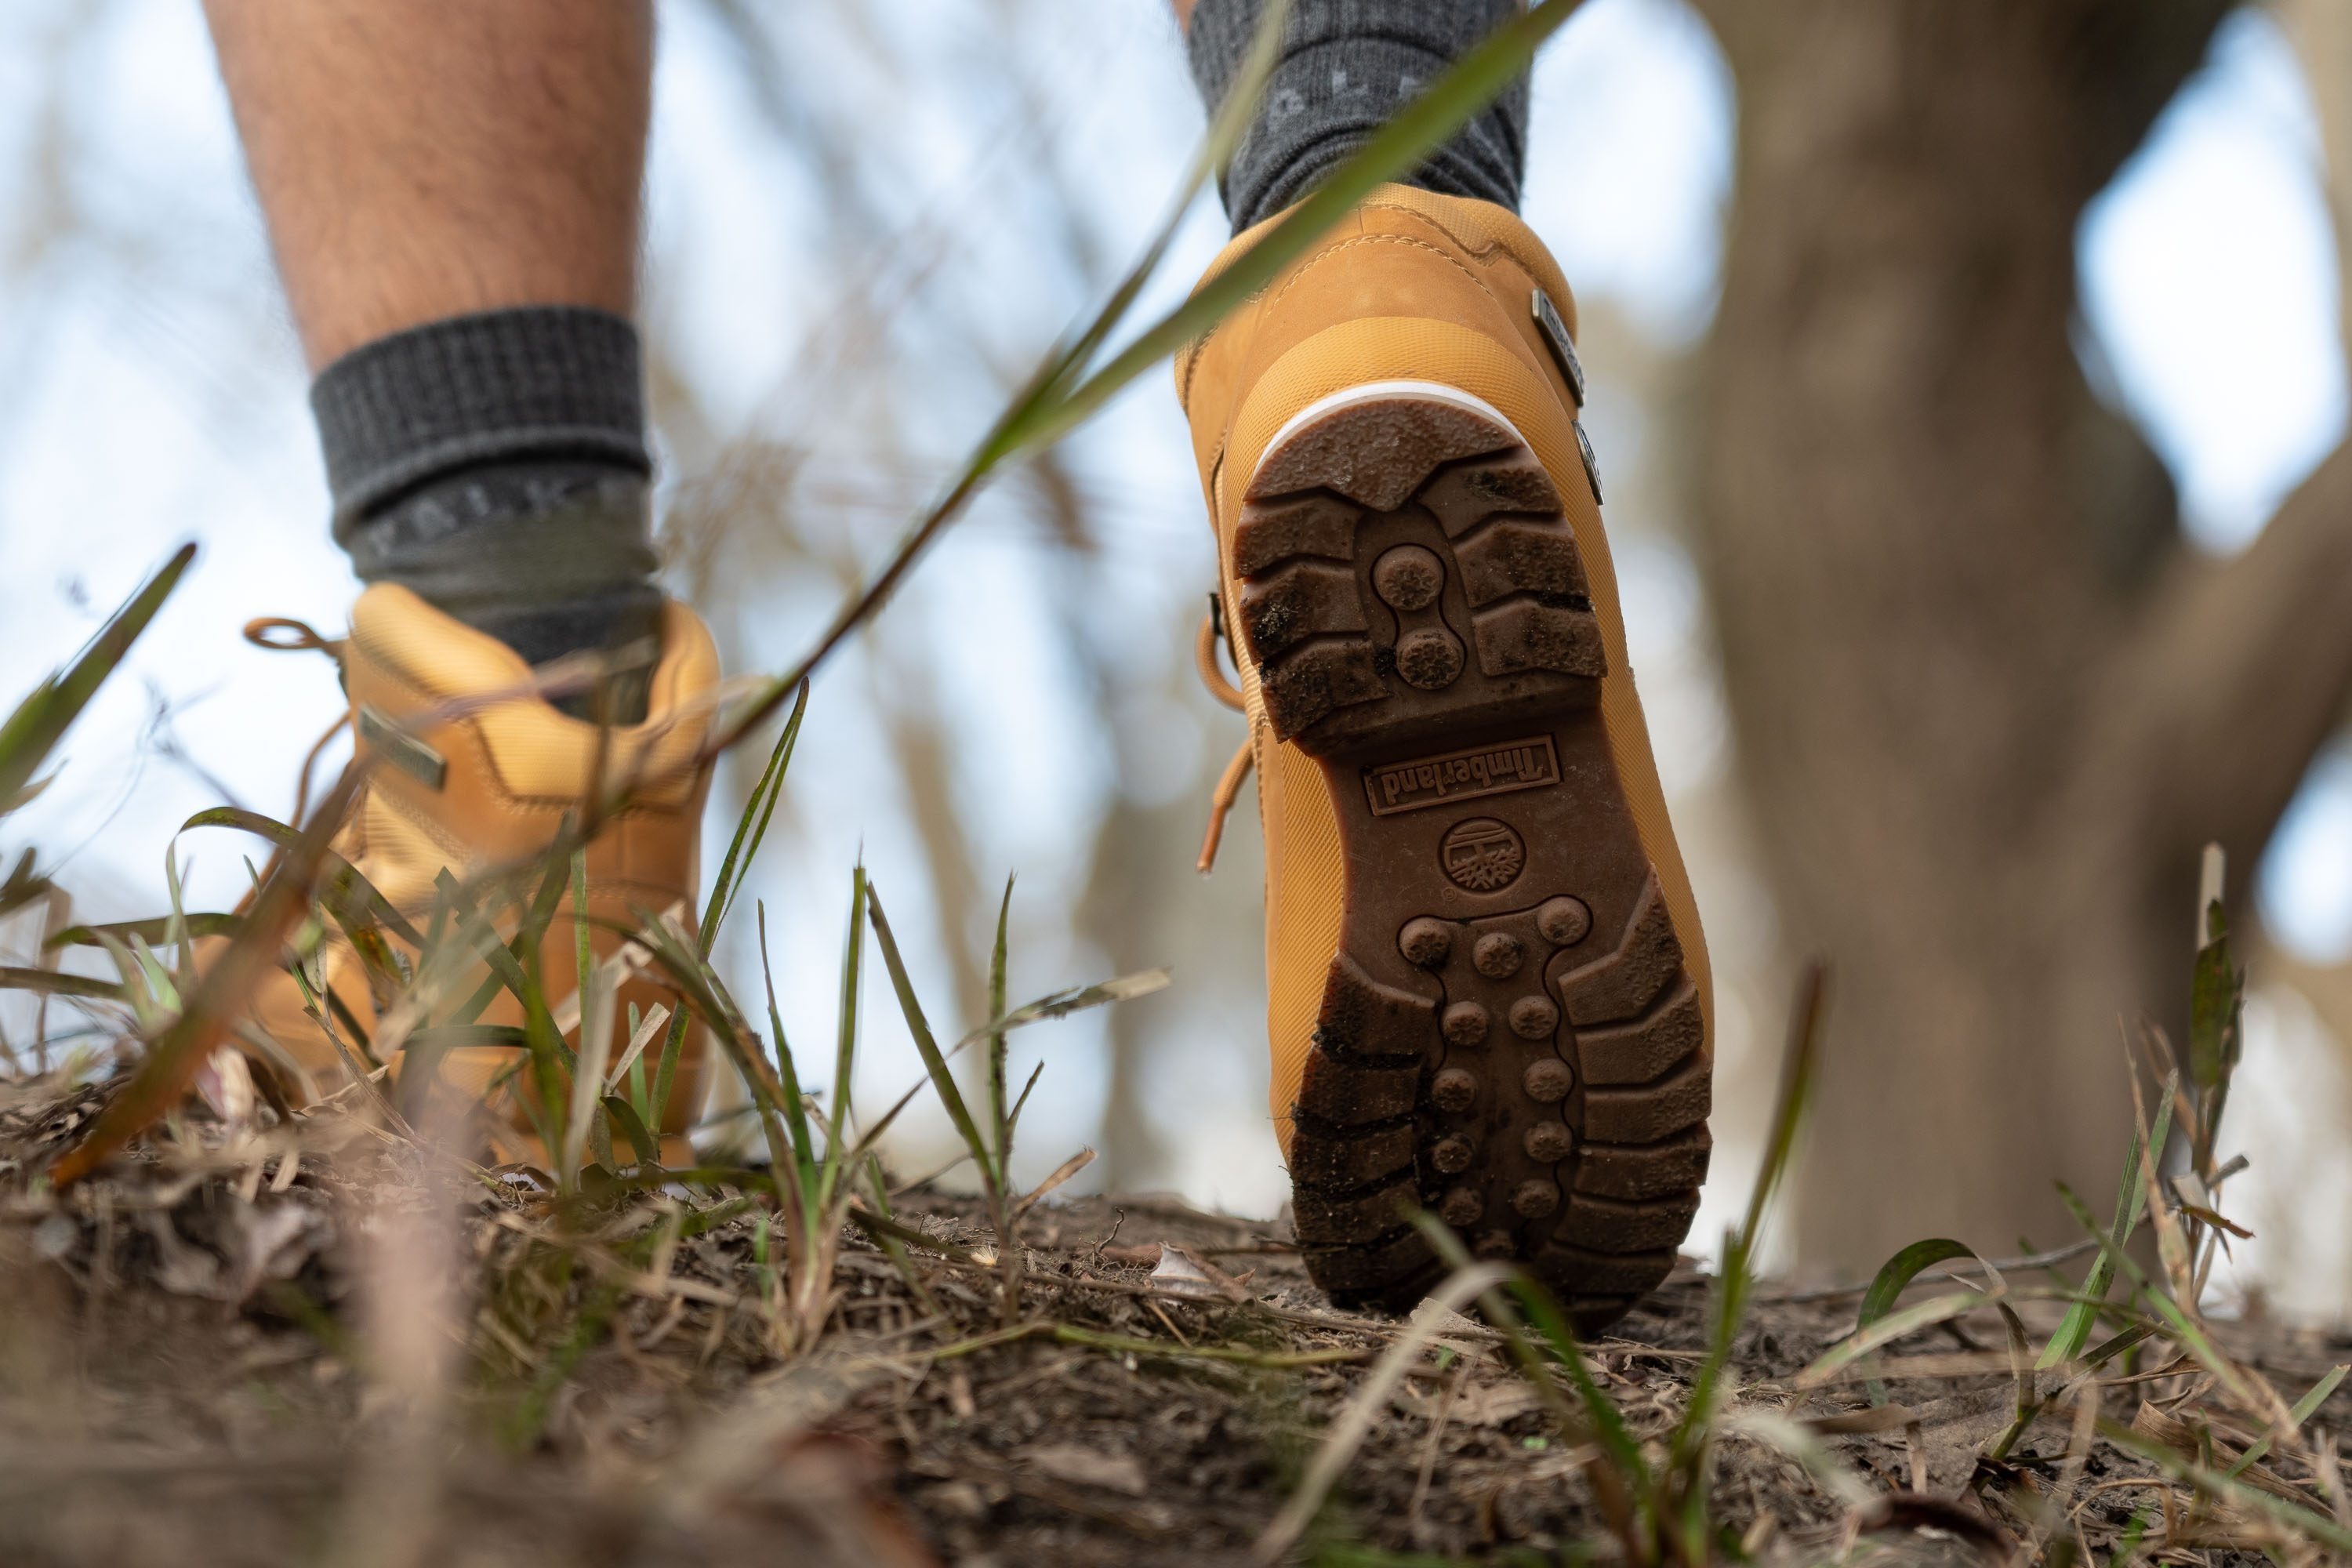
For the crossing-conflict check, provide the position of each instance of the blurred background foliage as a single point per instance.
(867, 220)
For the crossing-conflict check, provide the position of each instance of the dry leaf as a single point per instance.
(1182, 1274)
(1084, 1466)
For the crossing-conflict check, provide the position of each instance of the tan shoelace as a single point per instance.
(300, 636)
(1229, 785)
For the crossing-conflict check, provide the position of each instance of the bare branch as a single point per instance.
(2244, 664)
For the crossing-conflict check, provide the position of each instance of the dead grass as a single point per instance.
(185, 1380)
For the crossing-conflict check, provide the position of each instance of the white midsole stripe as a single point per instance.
(1380, 391)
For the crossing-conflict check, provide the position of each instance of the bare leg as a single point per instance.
(423, 158)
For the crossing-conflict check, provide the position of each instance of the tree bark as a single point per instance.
(1988, 705)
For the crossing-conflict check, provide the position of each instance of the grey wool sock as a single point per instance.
(495, 464)
(1345, 66)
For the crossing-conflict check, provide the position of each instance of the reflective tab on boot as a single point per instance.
(1592, 463)
(401, 749)
(1555, 332)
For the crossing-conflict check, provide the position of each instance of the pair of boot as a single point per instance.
(1487, 990)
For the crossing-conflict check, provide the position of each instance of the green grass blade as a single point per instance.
(795, 1102)
(752, 826)
(1013, 1118)
(665, 1068)
(1691, 1435)
(2213, 993)
(1894, 1276)
(171, 1063)
(845, 1057)
(2178, 1323)
(2131, 1205)
(50, 983)
(584, 951)
(1389, 153)
(1061, 1003)
(346, 892)
(22, 885)
(646, 1147)
(2301, 1413)
(41, 719)
(1623, 1482)
(1886, 1331)
(1608, 1421)
(999, 1127)
(707, 993)
(199, 924)
(1054, 400)
(175, 925)
(550, 1080)
(934, 1060)
(2305, 1520)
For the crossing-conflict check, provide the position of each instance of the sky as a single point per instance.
(152, 393)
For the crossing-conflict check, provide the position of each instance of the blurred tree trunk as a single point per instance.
(1988, 704)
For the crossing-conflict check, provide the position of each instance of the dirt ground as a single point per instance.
(183, 1379)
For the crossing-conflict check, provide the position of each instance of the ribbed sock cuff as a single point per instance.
(1345, 68)
(495, 465)
(555, 381)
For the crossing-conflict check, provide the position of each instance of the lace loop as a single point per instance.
(1205, 656)
(298, 636)
(1229, 784)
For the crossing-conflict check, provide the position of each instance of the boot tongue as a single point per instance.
(438, 655)
(405, 658)
(627, 625)
(451, 657)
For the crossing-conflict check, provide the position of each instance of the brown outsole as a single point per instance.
(1510, 1038)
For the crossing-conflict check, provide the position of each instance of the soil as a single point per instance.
(187, 1376)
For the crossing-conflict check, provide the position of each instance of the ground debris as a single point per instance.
(187, 1372)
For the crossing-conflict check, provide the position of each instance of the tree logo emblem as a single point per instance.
(1482, 855)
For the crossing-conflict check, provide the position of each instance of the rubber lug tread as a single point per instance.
(1379, 1267)
(1364, 1021)
(1313, 679)
(1359, 1217)
(1613, 1225)
(1515, 555)
(1526, 635)
(1638, 1170)
(1575, 1271)
(1468, 494)
(1271, 533)
(1623, 982)
(1351, 1095)
(1641, 1051)
(1345, 1165)
(1647, 1113)
(1300, 600)
(1379, 454)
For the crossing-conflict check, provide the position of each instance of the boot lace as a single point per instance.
(1229, 784)
(282, 634)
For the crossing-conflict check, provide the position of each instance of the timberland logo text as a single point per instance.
(1462, 775)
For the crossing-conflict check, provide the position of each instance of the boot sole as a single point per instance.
(1510, 1038)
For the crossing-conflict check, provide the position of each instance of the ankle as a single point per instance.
(495, 465)
(1345, 66)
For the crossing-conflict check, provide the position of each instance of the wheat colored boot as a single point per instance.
(489, 787)
(1488, 993)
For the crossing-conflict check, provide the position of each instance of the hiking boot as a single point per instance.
(467, 790)
(1487, 993)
